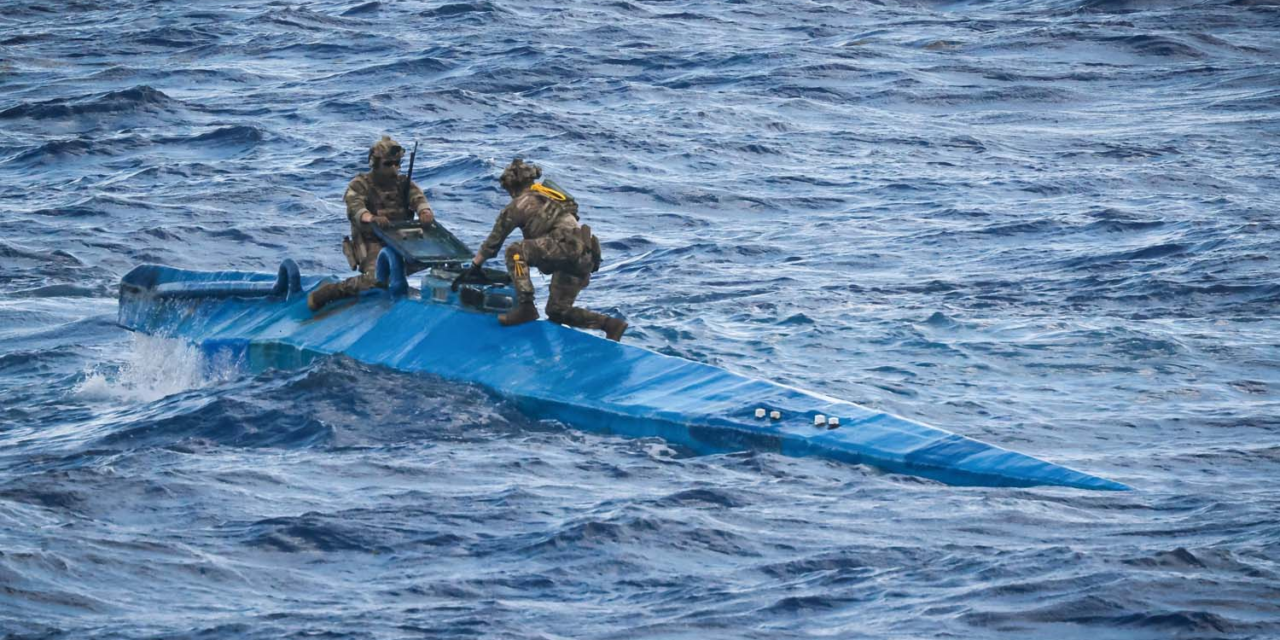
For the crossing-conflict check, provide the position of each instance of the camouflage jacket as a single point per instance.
(534, 214)
(364, 195)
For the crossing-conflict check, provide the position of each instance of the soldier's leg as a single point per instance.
(565, 288)
(368, 277)
(571, 275)
(518, 264)
(518, 268)
(351, 287)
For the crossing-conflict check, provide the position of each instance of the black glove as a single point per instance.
(473, 274)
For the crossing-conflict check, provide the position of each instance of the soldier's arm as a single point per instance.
(507, 222)
(355, 197)
(418, 202)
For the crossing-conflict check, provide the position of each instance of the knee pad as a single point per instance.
(557, 311)
(557, 315)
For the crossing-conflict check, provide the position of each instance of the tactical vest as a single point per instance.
(559, 209)
(555, 213)
(562, 200)
(388, 201)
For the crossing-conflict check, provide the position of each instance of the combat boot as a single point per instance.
(522, 313)
(324, 294)
(614, 328)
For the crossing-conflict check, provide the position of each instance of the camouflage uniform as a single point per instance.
(365, 195)
(554, 243)
(362, 195)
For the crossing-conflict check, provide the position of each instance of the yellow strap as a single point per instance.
(549, 192)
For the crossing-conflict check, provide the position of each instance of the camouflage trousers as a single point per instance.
(562, 254)
(368, 279)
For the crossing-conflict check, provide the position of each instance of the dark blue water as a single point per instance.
(1047, 224)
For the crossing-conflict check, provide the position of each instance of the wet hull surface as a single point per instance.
(554, 372)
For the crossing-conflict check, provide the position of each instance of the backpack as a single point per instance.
(562, 202)
(561, 199)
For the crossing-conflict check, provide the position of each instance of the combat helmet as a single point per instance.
(518, 174)
(385, 149)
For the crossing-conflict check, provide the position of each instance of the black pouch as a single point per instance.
(349, 250)
(591, 247)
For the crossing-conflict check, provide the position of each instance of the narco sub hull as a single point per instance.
(554, 372)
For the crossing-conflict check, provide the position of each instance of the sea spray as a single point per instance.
(154, 368)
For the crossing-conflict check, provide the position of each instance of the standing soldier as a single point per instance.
(380, 197)
(554, 243)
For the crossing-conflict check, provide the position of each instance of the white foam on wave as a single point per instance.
(153, 368)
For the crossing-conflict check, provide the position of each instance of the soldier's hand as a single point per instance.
(426, 218)
(381, 221)
(472, 274)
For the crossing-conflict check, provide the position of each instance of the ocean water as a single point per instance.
(1047, 224)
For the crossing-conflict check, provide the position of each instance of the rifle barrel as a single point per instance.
(408, 183)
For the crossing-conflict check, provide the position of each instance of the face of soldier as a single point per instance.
(385, 170)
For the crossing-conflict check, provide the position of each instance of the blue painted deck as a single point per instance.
(554, 372)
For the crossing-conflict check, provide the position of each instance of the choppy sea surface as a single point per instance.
(1047, 224)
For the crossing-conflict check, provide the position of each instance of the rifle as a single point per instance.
(404, 192)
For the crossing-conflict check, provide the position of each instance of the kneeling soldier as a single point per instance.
(554, 243)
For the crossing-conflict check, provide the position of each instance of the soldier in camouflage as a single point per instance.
(373, 198)
(554, 243)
